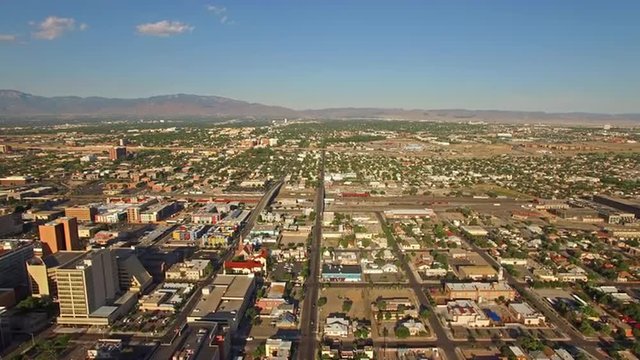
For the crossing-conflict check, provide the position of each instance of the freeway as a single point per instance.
(443, 341)
(166, 351)
(309, 317)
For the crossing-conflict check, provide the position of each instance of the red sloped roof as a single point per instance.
(242, 265)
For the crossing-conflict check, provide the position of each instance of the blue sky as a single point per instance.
(550, 55)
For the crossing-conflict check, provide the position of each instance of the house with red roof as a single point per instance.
(242, 267)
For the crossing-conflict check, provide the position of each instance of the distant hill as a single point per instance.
(18, 104)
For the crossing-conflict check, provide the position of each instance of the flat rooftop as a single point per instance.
(223, 280)
(209, 304)
(479, 286)
(104, 311)
(524, 309)
(239, 287)
(62, 258)
(226, 297)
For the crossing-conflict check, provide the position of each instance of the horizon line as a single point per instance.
(546, 112)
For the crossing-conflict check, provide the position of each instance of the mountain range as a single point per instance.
(19, 104)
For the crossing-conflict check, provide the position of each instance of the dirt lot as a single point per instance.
(330, 242)
(391, 278)
(335, 298)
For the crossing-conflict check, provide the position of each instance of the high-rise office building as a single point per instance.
(52, 237)
(42, 271)
(71, 238)
(13, 266)
(117, 153)
(60, 234)
(86, 285)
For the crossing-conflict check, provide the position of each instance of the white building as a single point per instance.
(525, 314)
(466, 313)
(513, 261)
(415, 327)
(472, 230)
(277, 349)
(336, 327)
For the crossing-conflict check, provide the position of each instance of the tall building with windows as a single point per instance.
(13, 266)
(60, 234)
(52, 237)
(85, 286)
(71, 238)
(42, 272)
(117, 153)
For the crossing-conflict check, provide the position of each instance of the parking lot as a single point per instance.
(150, 322)
(286, 271)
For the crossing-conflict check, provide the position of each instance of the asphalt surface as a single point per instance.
(309, 316)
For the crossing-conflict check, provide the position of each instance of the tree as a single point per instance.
(346, 305)
(589, 311)
(361, 333)
(44, 303)
(322, 301)
(586, 328)
(424, 313)
(251, 313)
(52, 348)
(402, 332)
(530, 343)
(260, 351)
(29, 304)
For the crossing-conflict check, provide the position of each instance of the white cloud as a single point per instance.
(163, 28)
(220, 12)
(53, 27)
(8, 38)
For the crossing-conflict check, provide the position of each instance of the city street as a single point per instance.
(309, 317)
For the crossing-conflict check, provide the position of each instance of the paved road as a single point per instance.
(309, 317)
(443, 341)
(166, 351)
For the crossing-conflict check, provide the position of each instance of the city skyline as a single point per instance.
(552, 56)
